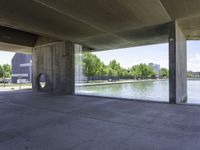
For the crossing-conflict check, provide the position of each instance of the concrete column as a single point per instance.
(177, 64)
(56, 62)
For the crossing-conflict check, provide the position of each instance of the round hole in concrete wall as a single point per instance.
(42, 81)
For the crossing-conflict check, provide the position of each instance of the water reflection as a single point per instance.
(144, 86)
(153, 90)
(141, 90)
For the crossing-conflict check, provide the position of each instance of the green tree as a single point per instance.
(142, 70)
(92, 66)
(189, 74)
(136, 71)
(125, 72)
(114, 68)
(1, 71)
(164, 72)
(101, 71)
(7, 70)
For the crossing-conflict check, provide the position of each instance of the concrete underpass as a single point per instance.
(54, 118)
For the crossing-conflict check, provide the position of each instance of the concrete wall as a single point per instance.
(56, 61)
(177, 64)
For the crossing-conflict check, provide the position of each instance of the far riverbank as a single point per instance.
(118, 82)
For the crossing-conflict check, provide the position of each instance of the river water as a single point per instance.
(151, 90)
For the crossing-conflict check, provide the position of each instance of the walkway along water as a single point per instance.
(117, 82)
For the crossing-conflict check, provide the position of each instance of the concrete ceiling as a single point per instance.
(102, 24)
(187, 12)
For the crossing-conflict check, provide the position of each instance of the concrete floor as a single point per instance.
(37, 121)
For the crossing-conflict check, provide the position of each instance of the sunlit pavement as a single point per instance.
(38, 121)
(14, 88)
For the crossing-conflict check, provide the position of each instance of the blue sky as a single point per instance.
(151, 53)
(144, 54)
(130, 56)
(193, 55)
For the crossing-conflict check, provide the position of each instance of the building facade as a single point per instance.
(155, 67)
(21, 68)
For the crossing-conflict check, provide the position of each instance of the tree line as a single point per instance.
(5, 71)
(93, 66)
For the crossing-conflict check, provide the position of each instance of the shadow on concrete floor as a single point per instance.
(39, 121)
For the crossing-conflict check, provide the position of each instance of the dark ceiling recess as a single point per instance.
(13, 36)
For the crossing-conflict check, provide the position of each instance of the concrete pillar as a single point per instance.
(177, 64)
(56, 62)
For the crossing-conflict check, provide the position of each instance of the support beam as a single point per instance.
(177, 64)
(56, 62)
(12, 36)
(16, 41)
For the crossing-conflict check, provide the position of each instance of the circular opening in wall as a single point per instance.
(42, 81)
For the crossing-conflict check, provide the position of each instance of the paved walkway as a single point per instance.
(37, 121)
(14, 88)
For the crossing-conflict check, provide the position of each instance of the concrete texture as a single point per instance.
(102, 24)
(84, 22)
(15, 48)
(177, 65)
(39, 121)
(56, 62)
(23, 41)
(187, 13)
